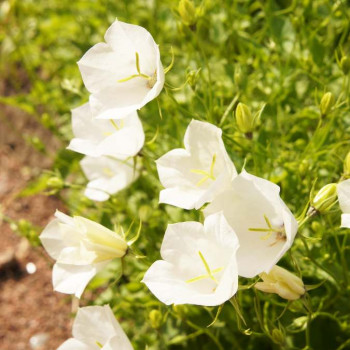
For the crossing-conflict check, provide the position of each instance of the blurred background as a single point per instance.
(282, 53)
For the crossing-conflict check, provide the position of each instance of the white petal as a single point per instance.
(345, 220)
(51, 239)
(119, 101)
(183, 197)
(182, 247)
(343, 189)
(127, 39)
(244, 207)
(123, 144)
(96, 195)
(73, 344)
(71, 279)
(102, 67)
(118, 342)
(195, 175)
(96, 323)
(107, 176)
(202, 140)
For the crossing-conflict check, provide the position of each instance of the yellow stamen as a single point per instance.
(210, 273)
(207, 175)
(280, 232)
(108, 172)
(139, 74)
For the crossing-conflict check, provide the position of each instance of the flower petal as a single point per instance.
(343, 189)
(72, 279)
(74, 344)
(51, 239)
(96, 323)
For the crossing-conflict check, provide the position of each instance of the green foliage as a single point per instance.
(285, 54)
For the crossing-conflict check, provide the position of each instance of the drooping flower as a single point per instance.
(282, 282)
(81, 248)
(264, 225)
(107, 176)
(96, 328)
(194, 175)
(199, 263)
(123, 74)
(119, 138)
(343, 190)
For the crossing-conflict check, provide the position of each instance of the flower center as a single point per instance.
(207, 175)
(280, 232)
(151, 80)
(210, 273)
(108, 172)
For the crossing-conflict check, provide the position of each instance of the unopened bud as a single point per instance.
(277, 336)
(325, 198)
(180, 310)
(55, 183)
(244, 119)
(192, 77)
(347, 165)
(327, 103)
(345, 64)
(187, 12)
(281, 282)
(156, 319)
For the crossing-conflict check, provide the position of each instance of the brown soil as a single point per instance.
(28, 304)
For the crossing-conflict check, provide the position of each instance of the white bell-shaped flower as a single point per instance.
(343, 189)
(264, 225)
(199, 263)
(119, 138)
(96, 328)
(124, 73)
(107, 176)
(194, 175)
(81, 248)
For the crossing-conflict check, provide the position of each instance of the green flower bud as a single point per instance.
(192, 77)
(345, 64)
(325, 198)
(187, 12)
(327, 103)
(347, 165)
(55, 183)
(156, 319)
(244, 119)
(277, 336)
(316, 227)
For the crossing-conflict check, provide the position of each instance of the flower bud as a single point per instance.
(347, 165)
(327, 103)
(345, 64)
(244, 119)
(156, 319)
(281, 282)
(192, 77)
(187, 12)
(325, 198)
(54, 183)
(277, 336)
